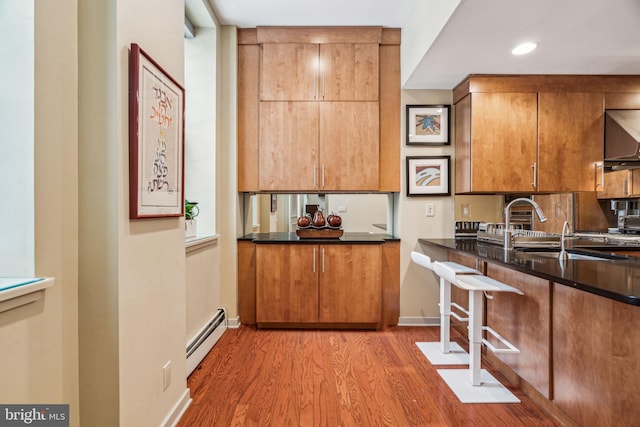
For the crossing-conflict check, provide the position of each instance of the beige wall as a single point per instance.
(39, 351)
(131, 273)
(227, 196)
(419, 289)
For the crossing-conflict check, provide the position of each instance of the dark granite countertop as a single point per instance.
(347, 237)
(617, 279)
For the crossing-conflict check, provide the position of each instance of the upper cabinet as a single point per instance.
(496, 142)
(533, 134)
(319, 72)
(570, 140)
(327, 103)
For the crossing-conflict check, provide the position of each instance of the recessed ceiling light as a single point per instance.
(524, 48)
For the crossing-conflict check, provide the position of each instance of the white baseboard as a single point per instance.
(233, 322)
(172, 418)
(419, 321)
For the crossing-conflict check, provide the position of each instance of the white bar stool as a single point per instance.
(448, 353)
(480, 386)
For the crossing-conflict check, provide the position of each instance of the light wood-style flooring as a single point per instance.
(334, 378)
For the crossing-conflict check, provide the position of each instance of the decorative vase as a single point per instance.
(189, 228)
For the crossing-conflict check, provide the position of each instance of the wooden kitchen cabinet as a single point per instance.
(349, 72)
(309, 146)
(525, 321)
(289, 72)
(596, 369)
(327, 103)
(516, 135)
(288, 149)
(622, 184)
(319, 72)
(320, 134)
(496, 142)
(349, 148)
(319, 284)
(570, 140)
(615, 185)
(287, 283)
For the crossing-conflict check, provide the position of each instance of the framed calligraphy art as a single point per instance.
(156, 140)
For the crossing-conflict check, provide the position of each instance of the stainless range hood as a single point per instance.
(622, 139)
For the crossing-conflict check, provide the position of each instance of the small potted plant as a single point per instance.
(191, 211)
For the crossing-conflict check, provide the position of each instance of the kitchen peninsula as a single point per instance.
(576, 325)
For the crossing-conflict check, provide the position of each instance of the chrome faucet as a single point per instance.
(563, 256)
(508, 242)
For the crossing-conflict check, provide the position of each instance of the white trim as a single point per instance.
(178, 410)
(19, 294)
(419, 321)
(200, 242)
(233, 323)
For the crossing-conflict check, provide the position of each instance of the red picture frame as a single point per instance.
(156, 139)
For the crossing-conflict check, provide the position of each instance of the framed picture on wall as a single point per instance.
(428, 124)
(156, 139)
(428, 176)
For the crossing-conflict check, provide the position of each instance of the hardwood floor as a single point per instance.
(336, 378)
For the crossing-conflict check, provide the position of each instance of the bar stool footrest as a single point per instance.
(510, 347)
(462, 309)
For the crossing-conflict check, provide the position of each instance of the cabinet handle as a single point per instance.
(601, 184)
(315, 181)
(625, 187)
(315, 86)
(314, 260)
(535, 175)
(323, 260)
(323, 176)
(322, 85)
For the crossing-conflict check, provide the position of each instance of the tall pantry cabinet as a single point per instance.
(318, 109)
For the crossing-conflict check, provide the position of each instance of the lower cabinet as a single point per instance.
(596, 368)
(318, 283)
(525, 321)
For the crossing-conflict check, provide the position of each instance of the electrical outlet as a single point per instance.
(430, 209)
(466, 210)
(166, 375)
(342, 209)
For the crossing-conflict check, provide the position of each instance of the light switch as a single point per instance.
(466, 210)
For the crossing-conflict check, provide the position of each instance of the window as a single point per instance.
(17, 121)
(200, 124)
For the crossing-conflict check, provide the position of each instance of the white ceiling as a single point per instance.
(574, 36)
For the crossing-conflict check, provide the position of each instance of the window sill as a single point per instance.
(15, 292)
(200, 241)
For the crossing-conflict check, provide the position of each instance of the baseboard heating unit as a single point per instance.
(203, 341)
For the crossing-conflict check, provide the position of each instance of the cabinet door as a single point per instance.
(616, 185)
(289, 72)
(350, 283)
(349, 72)
(286, 283)
(463, 145)
(503, 141)
(288, 146)
(349, 146)
(570, 140)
